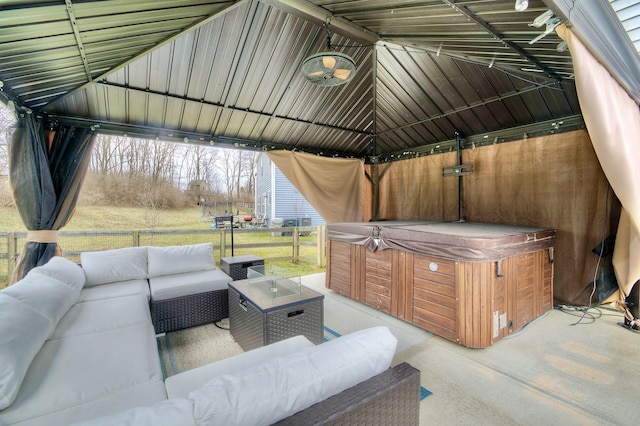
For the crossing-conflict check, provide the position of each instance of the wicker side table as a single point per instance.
(256, 320)
(236, 266)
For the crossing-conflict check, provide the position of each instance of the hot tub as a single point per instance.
(472, 283)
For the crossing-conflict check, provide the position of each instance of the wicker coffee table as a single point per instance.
(265, 311)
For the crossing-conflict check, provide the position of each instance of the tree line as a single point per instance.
(155, 173)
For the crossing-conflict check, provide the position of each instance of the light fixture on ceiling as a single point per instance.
(329, 68)
(549, 20)
(522, 5)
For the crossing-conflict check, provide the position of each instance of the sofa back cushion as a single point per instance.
(63, 270)
(109, 266)
(29, 313)
(180, 259)
(282, 386)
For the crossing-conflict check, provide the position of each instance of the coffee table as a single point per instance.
(272, 308)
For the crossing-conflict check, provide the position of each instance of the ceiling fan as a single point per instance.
(329, 68)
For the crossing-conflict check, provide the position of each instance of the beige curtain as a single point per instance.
(416, 189)
(333, 186)
(553, 181)
(613, 120)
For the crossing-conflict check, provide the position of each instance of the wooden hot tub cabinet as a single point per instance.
(470, 283)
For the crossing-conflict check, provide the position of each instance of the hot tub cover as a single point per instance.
(469, 241)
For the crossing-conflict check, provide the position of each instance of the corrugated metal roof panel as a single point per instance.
(229, 70)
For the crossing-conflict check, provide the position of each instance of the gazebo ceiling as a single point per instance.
(227, 72)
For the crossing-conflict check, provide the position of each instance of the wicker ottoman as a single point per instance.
(188, 300)
(236, 266)
(256, 320)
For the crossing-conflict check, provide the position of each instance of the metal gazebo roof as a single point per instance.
(227, 72)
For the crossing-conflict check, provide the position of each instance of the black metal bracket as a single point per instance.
(462, 169)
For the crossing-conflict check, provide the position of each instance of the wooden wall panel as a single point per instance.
(466, 302)
(547, 281)
(358, 272)
(525, 294)
(338, 275)
(434, 296)
(409, 289)
(398, 283)
(475, 292)
(378, 279)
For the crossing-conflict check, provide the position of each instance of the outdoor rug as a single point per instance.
(196, 346)
(193, 347)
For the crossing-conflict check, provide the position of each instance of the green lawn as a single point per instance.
(190, 227)
(87, 218)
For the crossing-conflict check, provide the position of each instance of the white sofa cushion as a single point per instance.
(89, 375)
(180, 259)
(180, 385)
(22, 333)
(171, 412)
(29, 312)
(46, 290)
(63, 270)
(96, 316)
(110, 266)
(170, 286)
(282, 386)
(118, 289)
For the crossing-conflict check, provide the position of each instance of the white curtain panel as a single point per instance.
(613, 121)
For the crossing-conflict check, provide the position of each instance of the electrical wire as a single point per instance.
(544, 85)
(585, 311)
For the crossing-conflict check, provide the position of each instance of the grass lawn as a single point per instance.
(104, 218)
(89, 218)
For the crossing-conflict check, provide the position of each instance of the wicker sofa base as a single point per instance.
(390, 398)
(189, 311)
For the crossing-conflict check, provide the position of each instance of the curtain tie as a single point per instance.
(44, 236)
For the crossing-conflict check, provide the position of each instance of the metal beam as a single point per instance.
(464, 10)
(195, 138)
(596, 24)
(147, 51)
(471, 106)
(76, 34)
(231, 108)
(318, 15)
(543, 128)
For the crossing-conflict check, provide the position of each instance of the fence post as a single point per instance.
(136, 238)
(320, 244)
(12, 248)
(296, 244)
(223, 243)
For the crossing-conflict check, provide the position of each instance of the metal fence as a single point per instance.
(297, 245)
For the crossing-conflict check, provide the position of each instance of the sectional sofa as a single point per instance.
(73, 350)
(183, 284)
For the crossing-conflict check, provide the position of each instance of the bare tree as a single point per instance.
(6, 121)
(103, 155)
(237, 168)
(250, 168)
(230, 168)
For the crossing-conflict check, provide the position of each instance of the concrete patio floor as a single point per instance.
(552, 372)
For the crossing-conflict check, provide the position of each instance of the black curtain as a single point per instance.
(47, 164)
